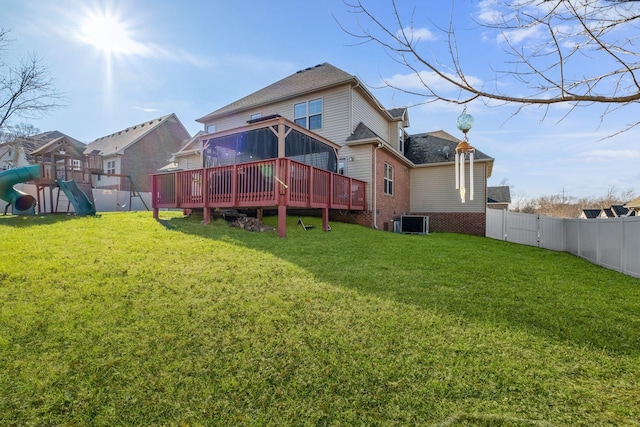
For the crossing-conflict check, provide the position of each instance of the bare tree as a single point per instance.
(20, 130)
(547, 42)
(26, 89)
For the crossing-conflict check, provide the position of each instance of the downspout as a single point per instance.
(375, 184)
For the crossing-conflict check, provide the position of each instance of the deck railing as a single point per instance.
(266, 183)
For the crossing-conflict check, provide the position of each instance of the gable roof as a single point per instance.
(635, 203)
(29, 144)
(619, 210)
(591, 213)
(312, 79)
(499, 194)
(76, 147)
(362, 133)
(437, 147)
(119, 141)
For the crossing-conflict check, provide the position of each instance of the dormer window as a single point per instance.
(211, 128)
(308, 114)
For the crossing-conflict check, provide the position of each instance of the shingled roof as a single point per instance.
(120, 140)
(499, 194)
(435, 147)
(312, 79)
(29, 144)
(361, 133)
(304, 81)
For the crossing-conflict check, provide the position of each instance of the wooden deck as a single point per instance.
(270, 183)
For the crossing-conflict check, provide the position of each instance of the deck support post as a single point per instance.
(155, 213)
(325, 219)
(206, 215)
(282, 221)
(259, 214)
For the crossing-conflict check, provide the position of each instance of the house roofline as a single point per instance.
(488, 160)
(388, 148)
(352, 81)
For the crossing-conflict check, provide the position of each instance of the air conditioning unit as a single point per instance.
(416, 224)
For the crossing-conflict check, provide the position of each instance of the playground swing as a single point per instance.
(306, 227)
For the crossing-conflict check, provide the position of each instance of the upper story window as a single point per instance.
(308, 114)
(211, 128)
(388, 179)
(256, 116)
(111, 166)
(400, 139)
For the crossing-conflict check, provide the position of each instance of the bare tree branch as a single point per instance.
(26, 90)
(549, 41)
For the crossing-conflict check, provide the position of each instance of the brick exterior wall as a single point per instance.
(390, 206)
(151, 153)
(457, 222)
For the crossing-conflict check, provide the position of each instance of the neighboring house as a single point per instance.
(633, 206)
(137, 152)
(17, 153)
(619, 210)
(498, 197)
(590, 213)
(615, 211)
(188, 157)
(369, 142)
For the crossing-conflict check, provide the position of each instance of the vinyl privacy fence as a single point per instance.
(610, 242)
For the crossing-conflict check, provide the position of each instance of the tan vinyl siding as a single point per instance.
(189, 162)
(433, 190)
(335, 113)
(360, 168)
(370, 116)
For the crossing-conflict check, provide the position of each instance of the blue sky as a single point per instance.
(192, 57)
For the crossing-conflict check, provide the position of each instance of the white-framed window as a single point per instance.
(388, 179)
(111, 166)
(400, 139)
(308, 114)
(255, 116)
(342, 165)
(211, 128)
(77, 164)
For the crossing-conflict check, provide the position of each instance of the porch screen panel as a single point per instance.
(259, 144)
(310, 151)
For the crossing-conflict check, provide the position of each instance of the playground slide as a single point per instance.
(21, 203)
(79, 200)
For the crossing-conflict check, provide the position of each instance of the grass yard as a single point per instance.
(121, 320)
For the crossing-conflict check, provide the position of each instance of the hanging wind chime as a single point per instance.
(464, 151)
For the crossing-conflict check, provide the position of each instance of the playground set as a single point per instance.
(62, 175)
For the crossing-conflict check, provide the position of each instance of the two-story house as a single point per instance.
(134, 153)
(404, 174)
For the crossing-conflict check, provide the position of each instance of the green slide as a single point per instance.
(21, 203)
(79, 200)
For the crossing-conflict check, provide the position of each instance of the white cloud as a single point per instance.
(146, 110)
(416, 34)
(414, 82)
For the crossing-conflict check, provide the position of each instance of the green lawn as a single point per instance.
(122, 320)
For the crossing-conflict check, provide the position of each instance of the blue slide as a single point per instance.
(79, 200)
(21, 203)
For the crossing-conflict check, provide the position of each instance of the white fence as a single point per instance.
(610, 242)
(105, 200)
